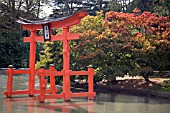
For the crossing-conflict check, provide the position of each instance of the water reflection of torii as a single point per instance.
(51, 107)
(66, 36)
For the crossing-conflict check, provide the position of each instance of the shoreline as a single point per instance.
(130, 91)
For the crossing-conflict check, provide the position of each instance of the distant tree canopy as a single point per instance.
(162, 7)
(67, 7)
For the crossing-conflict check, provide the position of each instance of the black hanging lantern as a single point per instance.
(46, 32)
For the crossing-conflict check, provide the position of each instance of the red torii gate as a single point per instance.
(47, 26)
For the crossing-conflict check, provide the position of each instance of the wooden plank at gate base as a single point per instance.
(18, 92)
(19, 71)
(51, 73)
(79, 72)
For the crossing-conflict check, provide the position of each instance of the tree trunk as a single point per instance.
(38, 11)
(146, 78)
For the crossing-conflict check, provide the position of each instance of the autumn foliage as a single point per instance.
(122, 43)
(125, 43)
(146, 34)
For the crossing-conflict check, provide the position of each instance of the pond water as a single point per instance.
(103, 103)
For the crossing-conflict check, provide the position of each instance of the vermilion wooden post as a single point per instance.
(52, 80)
(32, 62)
(90, 82)
(10, 81)
(43, 84)
(66, 65)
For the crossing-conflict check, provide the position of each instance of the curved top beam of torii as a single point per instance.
(54, 23)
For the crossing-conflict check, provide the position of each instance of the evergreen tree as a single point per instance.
(12, 48)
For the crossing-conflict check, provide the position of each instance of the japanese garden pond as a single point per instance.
(103, 103)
